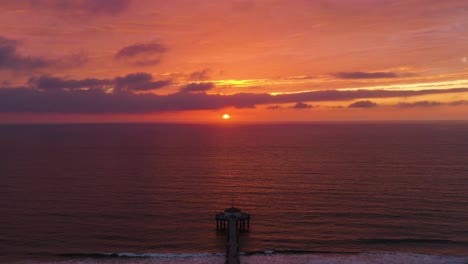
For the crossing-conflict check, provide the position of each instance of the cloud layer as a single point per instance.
(365, 75)
(301, 105)
(83, 7)
(10, 59)
(138, 82)
(54, 95)
(197, 87)
(200, 75)
(131, 82)
(141, 54)
(363, 104)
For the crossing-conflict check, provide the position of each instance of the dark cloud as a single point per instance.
(420, 104)
(33, 100)
(53, 83)
(130, 82)
(139, 81)
(365, 75)
(274, 107)
(143, 54)
(301, 105)
(197, 87)
(336, 95)
(431, 104)
(107, 7)
(75, 7)
(200, 75)
(153, 85)
(457, 103)
(138, 49)
(363, 104)
(10, 59)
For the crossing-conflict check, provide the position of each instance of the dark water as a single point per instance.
(72, 191)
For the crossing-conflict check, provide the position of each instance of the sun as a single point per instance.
(226, 116)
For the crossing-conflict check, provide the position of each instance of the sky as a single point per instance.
(74, 61)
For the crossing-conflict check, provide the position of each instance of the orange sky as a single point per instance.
(260, 61)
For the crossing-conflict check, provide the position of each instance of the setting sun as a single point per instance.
(226, 116)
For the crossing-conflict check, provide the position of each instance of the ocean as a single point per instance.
(317, 193)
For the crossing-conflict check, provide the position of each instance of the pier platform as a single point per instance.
(233, 221)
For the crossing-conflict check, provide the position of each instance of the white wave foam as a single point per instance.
(208, 258)
(164, 255)
(363, 258)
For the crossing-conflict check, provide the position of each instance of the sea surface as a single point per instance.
(316, 193)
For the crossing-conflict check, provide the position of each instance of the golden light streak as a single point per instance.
(414, 87)
(270, 82)
(242, 83)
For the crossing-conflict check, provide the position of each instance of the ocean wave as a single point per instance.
(140, 255)
(411, 240)
(197, 255)
(294, 252)
(267, 256)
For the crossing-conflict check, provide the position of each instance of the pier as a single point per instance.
(233, 221)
